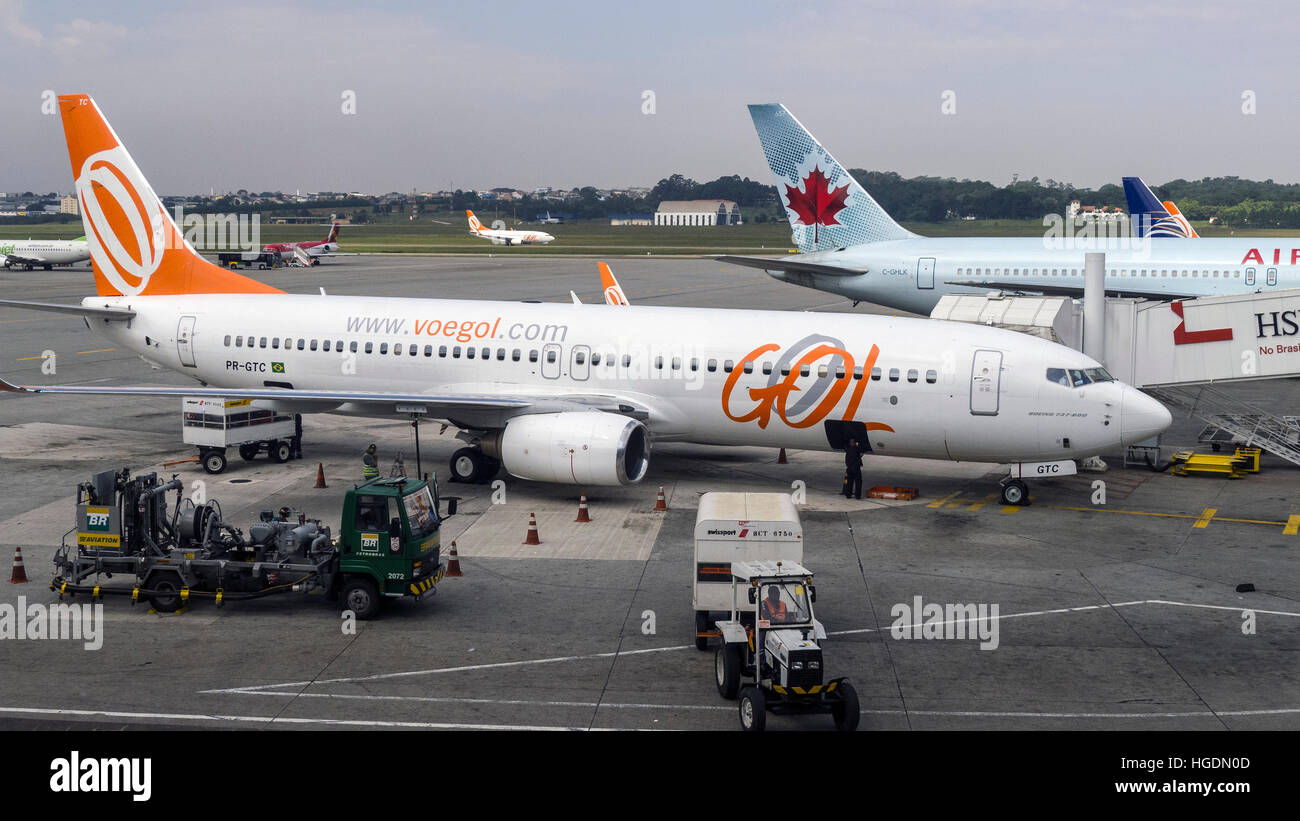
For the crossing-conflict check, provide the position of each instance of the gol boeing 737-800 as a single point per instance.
(502, 236)
(577, 393)
(850, 246)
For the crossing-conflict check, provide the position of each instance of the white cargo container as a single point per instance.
(214, 423)
(738, 527)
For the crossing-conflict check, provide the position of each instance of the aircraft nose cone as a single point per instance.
(1141, 417)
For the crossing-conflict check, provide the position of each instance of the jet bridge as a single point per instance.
(1186, 353)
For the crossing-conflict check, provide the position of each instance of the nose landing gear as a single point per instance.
(1014, 492)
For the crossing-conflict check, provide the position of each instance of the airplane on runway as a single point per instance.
(313, 249)
(577, 394)
(501, 236)
(852, 247)
(43, 253)
(1153, 217)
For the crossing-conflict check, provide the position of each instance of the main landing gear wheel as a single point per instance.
(1015, 492)
(473, 466)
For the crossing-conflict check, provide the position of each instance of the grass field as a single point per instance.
(445, 233)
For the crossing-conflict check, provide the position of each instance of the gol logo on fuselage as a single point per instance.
(816, 402)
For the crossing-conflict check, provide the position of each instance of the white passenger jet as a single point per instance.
(501, 236)
(43, 253)
(852, 247)
(577, 393)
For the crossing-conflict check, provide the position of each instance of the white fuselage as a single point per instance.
(500, 236)
(912, 274)
(938, 390)
(43, 252)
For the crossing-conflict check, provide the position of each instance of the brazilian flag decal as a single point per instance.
(277, 367)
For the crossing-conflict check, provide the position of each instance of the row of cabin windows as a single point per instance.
(1074, 272)
(579, 358)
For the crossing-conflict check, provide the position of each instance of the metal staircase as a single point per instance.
(1233, 422)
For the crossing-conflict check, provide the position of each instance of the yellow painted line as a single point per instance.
(944, 500)
(955, 505)
(98, 350)
(1011, 509)
(1166, 515)
(982, 502)
(1207, 516)
(26, 358)
(1292, 526)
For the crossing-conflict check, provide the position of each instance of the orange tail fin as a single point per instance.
(135, 247)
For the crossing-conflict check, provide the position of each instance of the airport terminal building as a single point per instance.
(698, 212)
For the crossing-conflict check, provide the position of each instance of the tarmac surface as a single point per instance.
(1116, 615)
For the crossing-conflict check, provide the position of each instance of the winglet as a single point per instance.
(613, 291)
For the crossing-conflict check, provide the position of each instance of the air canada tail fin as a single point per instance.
(826, 206)
(474, 225)
(1150, 216)
(135, 247)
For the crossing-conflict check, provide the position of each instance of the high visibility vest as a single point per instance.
(369, 470)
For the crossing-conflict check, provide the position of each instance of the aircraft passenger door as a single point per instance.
(184, 341)
(580, 364)
(551, 361)
(985, 383)
(925, 272)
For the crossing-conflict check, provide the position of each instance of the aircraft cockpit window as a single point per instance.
(1099, 375)
(1059, 376)
(1078, 377)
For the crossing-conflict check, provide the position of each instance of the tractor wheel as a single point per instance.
(845, 711)
(361, 596)
(753, 710)
(726, 670)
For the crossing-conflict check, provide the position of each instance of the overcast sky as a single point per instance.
(476, 95)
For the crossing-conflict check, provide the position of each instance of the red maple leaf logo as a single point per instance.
(817, 204)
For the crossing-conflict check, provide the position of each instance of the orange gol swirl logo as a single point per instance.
(829, 389)
(119, 205)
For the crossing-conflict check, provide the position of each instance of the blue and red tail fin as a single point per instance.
(1150, 216)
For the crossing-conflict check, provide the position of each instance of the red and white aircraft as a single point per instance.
(313, 249)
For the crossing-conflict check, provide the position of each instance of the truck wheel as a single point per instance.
(845, 711)
(214, 461)
(361, 596)
(753, 710)
(280, 451)
(726, 670)
(1015, 492)
(166, 597)
(248, 452)
(701, 626)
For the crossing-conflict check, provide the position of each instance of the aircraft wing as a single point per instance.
(21, 260)
(793, 265)
(1066, 290)
(469, 409)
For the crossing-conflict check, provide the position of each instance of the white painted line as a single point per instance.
(422, 725)
(506, 702)
(462, 669)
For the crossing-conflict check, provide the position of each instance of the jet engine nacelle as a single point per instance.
(576, 447)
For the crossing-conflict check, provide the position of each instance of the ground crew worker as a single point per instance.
(295, 444)
(853, 471)
(369, 464)
(773, 608)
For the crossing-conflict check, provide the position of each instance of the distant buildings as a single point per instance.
(1091, 213)
(632, 219)
(68, 205)
(698, 212)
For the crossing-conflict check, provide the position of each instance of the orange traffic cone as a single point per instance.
(660, 502)
(453, 563)
(780, 459)
(320, 475)
(20, 574)
(532, 537)
(583, 516)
